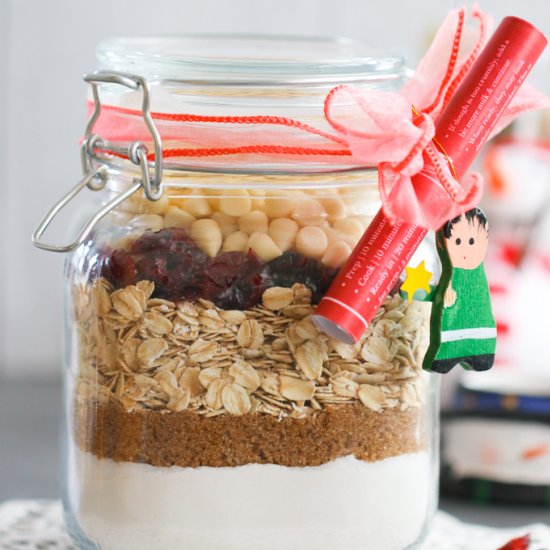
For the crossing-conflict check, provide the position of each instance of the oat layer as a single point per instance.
(190, 440)
(153, 354)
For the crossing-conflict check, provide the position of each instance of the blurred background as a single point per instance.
(47, 46)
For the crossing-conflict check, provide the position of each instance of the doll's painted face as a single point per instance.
(466, 239)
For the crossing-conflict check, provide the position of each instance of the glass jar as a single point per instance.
(205, 410)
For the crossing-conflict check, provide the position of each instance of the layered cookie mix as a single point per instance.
(201, 366)
(250, 385)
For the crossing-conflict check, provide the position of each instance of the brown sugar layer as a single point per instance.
(187, 439)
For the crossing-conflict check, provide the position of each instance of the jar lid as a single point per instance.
(250, 59)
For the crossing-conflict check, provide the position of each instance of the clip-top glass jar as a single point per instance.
(205, 409)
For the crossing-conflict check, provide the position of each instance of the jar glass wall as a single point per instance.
(204, 408)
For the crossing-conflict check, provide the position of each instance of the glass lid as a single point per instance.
(249, 59)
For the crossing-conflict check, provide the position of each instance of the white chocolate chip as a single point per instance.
(264, 247)
(208, 236)
(277, 205)
(154, 222)
(157, 207)
(253, 222)
(236, 242)
(311, 241)
(196, 206)
(334, 207)
(235, 202)
(365, 221)
(283, 231)
(336, 254)
(212, 198)
(134, 205)
(176, 217)
(257, 198)
(349, 226)
(324, 191)
(334, 236)
(308, 212)
(228, 224)
(118, 218)
(142, 205)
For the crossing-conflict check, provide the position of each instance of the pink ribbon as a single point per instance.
(380, 128)
(370, 128)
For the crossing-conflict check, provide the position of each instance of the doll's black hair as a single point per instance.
(471, 215)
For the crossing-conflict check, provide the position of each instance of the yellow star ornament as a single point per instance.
(417, 278)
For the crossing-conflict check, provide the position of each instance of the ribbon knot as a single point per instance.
(384, 129)
(380, 130)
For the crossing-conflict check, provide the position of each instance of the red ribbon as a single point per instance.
(364, 128)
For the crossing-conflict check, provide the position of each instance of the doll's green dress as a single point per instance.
(468, 328)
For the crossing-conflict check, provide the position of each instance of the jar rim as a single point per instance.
(249, 59)
(122, 173)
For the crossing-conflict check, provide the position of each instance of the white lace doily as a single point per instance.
(38, 524)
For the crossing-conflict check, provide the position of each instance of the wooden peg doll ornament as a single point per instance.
(462, 326)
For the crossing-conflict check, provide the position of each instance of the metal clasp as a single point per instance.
(96, 176)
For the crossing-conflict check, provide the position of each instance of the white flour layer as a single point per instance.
(347, 504)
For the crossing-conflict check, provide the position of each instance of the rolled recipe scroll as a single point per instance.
(462, 129)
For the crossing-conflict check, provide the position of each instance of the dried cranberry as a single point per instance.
(121, 268)
(179, 234)
(244, 293)
(232, 280)
(225, 268)
(150, 242)
(291, 268)
(153, 268)
(225, 264)
(207, 289)
(170, 274)
(160, 240)
(239, 280)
